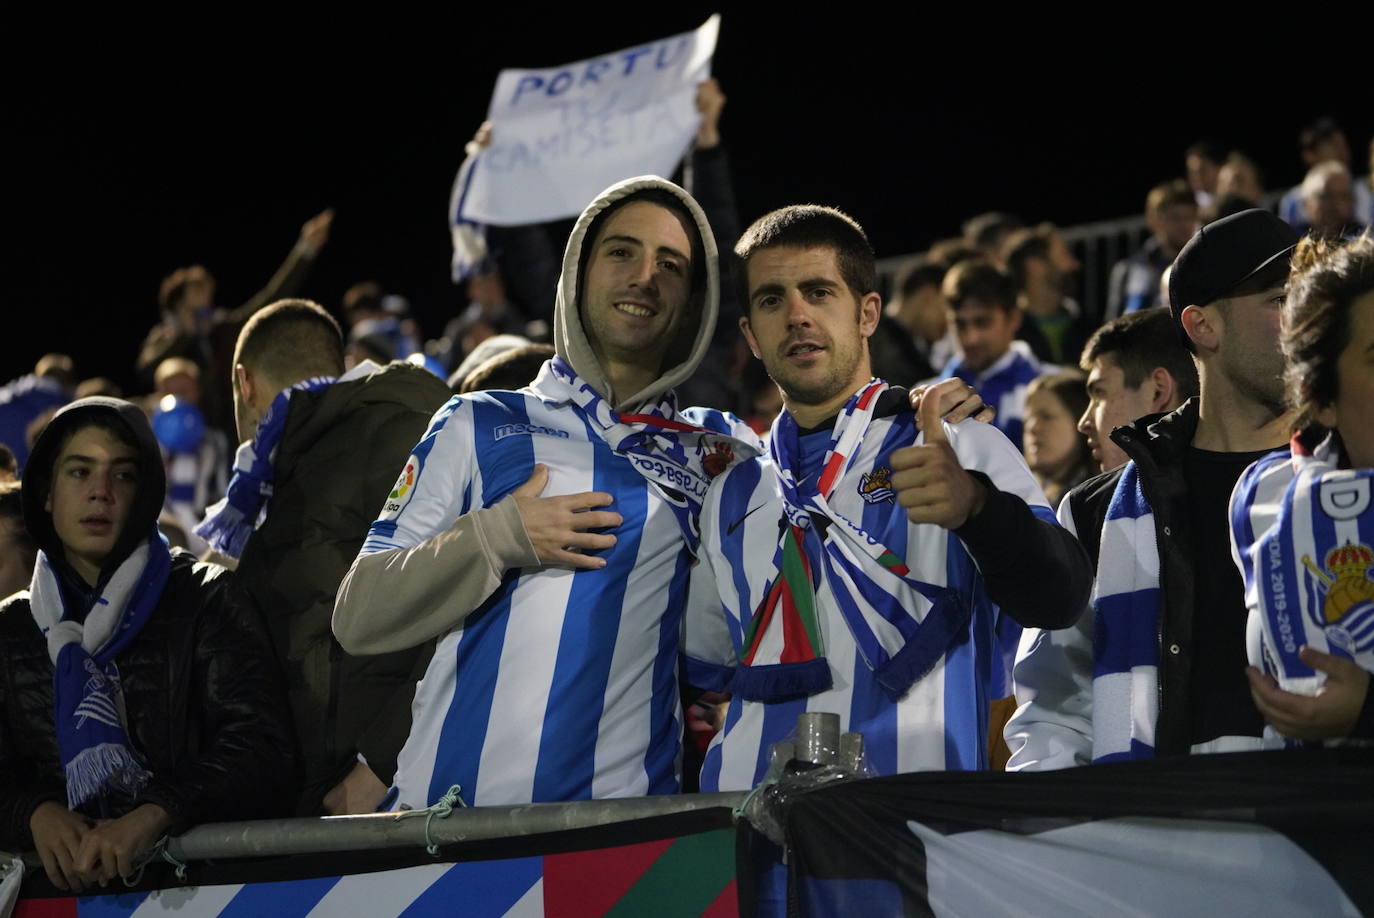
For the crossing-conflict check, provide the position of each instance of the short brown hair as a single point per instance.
(1169, 194)
(981, 280)
(810, 226)
(291, 340)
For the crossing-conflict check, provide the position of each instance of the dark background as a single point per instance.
(138, 151)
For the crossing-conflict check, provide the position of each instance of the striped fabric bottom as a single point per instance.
(691, 875)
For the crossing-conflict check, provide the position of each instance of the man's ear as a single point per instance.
(749, 337)
(870, 309)
(1016, 315)
(1202, 325)
(245, 382)
(1163, 390)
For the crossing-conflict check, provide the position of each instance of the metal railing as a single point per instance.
(414, 829)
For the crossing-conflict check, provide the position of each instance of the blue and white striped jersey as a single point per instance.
(1003, 386)
(562, 685)
(942, 721)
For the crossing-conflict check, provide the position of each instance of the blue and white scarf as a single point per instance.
(902, 626)
(1310, 571)
(680, 458)
(88, 702)
(229, 522)
(1126, 627)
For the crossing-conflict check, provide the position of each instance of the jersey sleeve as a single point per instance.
(984, 448)
(435, 554)
(1052, 726)
(709, 651)
(434, 487)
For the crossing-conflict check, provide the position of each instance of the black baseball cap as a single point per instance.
(1225, 254)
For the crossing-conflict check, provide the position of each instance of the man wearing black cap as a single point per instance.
(138, 690)
(1166, 673)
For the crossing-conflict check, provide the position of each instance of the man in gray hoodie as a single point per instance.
(541, 535)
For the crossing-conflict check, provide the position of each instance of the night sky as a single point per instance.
(131, 158)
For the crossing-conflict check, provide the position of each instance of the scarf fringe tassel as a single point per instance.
(91, 769)
(776, 682)
(225, 529)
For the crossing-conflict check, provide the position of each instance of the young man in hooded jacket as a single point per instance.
(138, 692)
(542, 532)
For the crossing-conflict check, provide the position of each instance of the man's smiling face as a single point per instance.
(637, 285)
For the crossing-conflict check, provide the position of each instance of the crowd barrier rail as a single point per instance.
(1262, 833)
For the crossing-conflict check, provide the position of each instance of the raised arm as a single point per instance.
(291, 274)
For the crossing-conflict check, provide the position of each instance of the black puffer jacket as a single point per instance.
(205, 703)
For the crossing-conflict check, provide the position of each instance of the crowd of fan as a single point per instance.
(232, 697)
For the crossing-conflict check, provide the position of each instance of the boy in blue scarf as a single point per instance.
(138, 694)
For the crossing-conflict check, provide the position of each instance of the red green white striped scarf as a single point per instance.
(900, 636)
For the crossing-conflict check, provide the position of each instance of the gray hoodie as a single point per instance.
(569, 337)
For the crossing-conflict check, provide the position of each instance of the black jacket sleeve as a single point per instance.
(26, 752)
(1035, 570)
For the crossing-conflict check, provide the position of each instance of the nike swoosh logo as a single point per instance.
(737, 523)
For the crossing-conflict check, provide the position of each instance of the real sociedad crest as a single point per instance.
(876, 486)
(98, 698)
(719, 457)
(1347, 610)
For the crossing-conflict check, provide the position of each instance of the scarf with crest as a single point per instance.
(902, 625)
(88, 701)
(679, 458)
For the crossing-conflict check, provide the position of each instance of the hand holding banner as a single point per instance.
(562, 134)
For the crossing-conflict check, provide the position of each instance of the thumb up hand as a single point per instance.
(929, 481)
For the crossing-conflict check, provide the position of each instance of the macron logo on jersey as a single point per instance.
(402, 490)
(513, 430)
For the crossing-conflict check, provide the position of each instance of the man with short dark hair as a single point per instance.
(986, 317)
(138, 690)
(845, 573)
(1166, 673)
(918, 306)
(1202, 161)
(321, 448)
(1136, 366)
(1171, 213)
(1040, 265)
